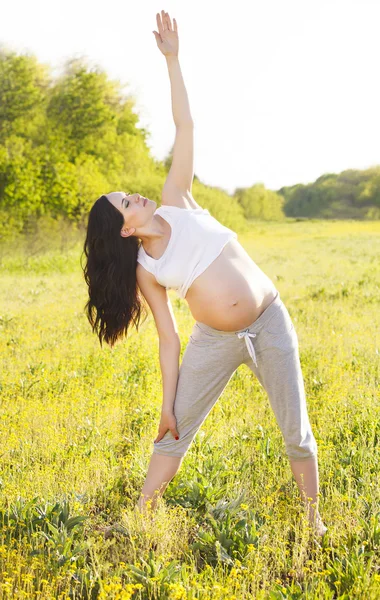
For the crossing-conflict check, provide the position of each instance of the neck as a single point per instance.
(154, 232)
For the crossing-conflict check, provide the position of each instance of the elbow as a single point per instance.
(170, 340)
(185, 123)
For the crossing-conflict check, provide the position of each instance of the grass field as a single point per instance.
(78, 422)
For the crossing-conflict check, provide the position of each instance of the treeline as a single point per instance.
(64, 141)
(350, 194)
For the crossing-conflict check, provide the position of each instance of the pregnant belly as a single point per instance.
(232, 292)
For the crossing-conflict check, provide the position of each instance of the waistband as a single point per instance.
(255, 326)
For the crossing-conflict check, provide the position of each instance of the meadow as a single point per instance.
(77, 424)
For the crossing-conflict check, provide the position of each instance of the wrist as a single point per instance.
(171, 57)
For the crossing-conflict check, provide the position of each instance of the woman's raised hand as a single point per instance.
(166, 38)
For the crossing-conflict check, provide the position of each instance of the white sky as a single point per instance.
(280, 91)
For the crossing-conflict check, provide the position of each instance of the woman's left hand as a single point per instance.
(167, 39)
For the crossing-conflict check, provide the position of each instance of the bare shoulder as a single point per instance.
(173, 196)
(146, 279)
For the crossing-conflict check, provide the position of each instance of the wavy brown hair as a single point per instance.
(115, 300)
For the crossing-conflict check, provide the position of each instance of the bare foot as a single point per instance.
(318, 526)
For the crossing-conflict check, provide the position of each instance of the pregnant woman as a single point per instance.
(136, 251)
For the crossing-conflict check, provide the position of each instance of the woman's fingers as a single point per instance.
(159, 24)
(163, 18)
(164, 22)
(169, 22)
(160, 435)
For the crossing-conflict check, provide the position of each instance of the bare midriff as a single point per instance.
(232, 292)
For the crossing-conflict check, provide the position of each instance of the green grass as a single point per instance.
(77, 425)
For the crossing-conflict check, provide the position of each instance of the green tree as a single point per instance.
(259, 203)
(350, 194)
(370, 189)
(24, 83)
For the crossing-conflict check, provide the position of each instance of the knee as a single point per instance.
(300, 454)
(169, 449)
(165, 451)
(302, 448)
(168, 446)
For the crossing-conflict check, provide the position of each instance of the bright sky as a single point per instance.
(280, 91)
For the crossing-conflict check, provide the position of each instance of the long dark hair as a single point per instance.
(110, 273)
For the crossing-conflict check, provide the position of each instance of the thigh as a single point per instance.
(279, 372)
(276, 346)
(206, 368)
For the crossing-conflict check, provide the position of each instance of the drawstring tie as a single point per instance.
(246, 335)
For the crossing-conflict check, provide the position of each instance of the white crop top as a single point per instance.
(196, 239)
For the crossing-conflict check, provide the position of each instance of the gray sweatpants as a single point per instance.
(270, 349)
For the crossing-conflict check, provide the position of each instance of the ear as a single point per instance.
(128, 232)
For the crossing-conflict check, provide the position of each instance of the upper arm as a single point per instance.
(181, 172)
(159, 303)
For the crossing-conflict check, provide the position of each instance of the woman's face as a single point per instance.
(136, 210)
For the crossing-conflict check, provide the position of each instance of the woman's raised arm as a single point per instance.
(168, 43)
